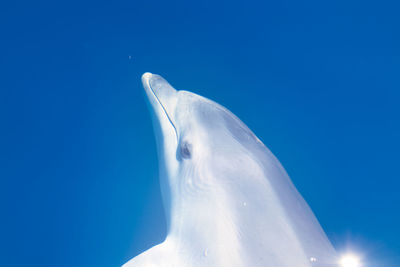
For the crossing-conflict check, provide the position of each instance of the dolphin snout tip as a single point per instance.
(146, 76)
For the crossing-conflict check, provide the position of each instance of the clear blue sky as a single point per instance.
(317, 81)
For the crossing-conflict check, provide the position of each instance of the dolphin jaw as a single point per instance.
(163, 99)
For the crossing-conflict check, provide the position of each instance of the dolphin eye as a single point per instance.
(186, 150)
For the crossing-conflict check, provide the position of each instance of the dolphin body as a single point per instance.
(228, 200)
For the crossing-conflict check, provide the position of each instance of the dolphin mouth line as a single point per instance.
(163, 108)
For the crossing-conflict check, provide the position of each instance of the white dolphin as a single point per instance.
(228, 200)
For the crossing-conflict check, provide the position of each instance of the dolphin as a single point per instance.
(228, 200)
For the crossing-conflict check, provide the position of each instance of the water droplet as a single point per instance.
(244, 204)
(205, 253)
(312, 259)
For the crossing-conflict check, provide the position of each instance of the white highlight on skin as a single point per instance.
(205, 252)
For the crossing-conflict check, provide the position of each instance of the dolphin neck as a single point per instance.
(206, 227)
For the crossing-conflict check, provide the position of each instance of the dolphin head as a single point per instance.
(195, 137)
(224, 192)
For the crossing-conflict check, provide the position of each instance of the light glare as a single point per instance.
(350, 261)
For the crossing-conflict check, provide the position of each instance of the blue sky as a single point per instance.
(318, 82)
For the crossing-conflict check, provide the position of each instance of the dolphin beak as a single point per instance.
(157, 85)
(163, 98)
(159, 92)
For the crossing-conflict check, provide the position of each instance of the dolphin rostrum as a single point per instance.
(228, 200)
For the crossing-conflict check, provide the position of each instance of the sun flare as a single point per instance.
(350, 261)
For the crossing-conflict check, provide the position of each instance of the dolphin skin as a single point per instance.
(228, 200)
